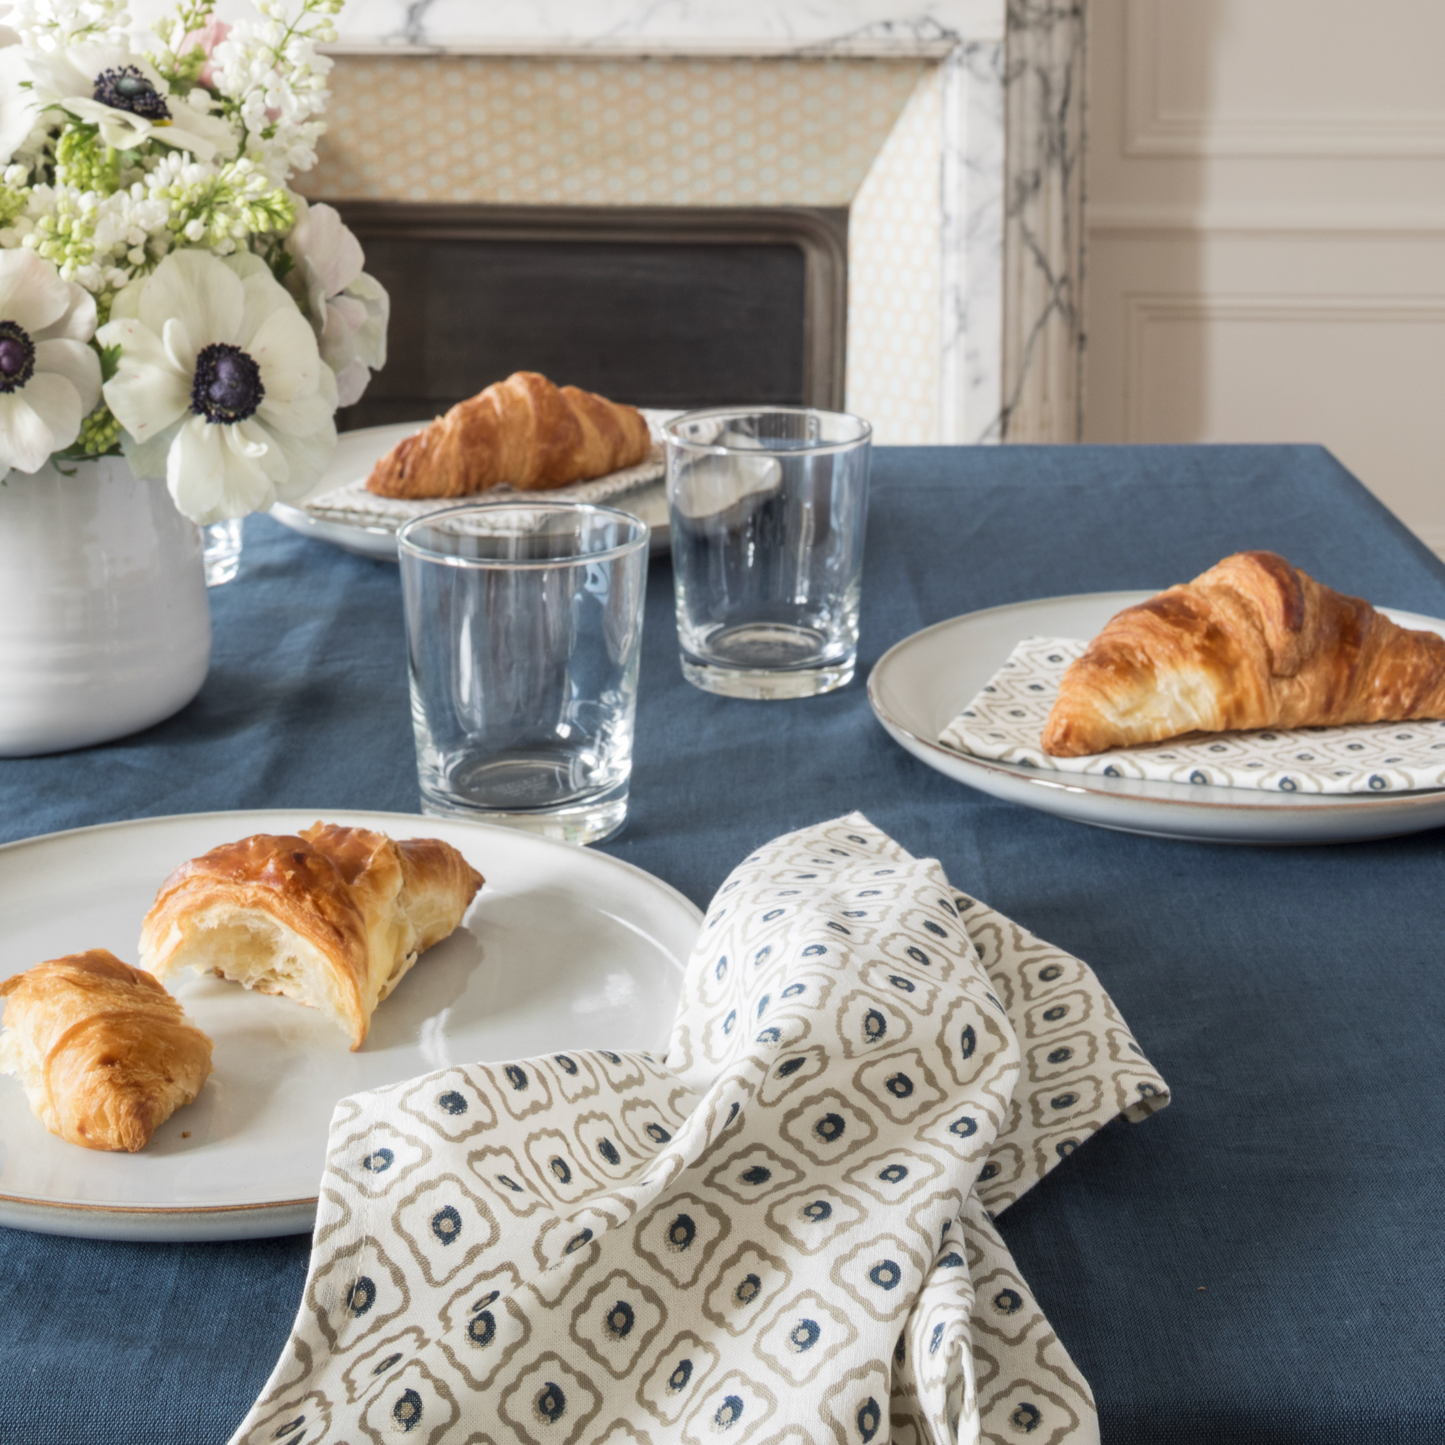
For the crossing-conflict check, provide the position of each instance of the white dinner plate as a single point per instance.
(922, 683)
(357, 452)
(563, 948)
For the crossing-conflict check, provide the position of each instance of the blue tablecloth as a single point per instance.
(1265, 1261)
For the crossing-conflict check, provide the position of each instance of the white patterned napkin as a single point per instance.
(351, 502)
(779, 1233)
(1006, 720)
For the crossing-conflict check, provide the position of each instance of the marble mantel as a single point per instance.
(964, 260)
(672, 27)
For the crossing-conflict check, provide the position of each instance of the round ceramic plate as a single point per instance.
(357, 452)
(563, 948)
(922, 683)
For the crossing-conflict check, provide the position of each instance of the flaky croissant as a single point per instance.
(105, 1054)
(522, 432)
(1251, 643)
(333, 918)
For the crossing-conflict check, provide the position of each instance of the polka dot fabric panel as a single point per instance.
(780, 1231)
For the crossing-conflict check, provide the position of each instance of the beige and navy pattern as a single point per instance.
(1006, 720)
(781, 1232)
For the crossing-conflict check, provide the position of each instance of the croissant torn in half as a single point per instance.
(105, 1054)
(1251, 643)
(333, 918)
(522, 432)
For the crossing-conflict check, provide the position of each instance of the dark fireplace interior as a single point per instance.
(654, 306)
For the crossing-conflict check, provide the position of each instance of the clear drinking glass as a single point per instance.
(221, 548)
(768, 507)
(524, 631)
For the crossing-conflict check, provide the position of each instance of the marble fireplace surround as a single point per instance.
(965, 262)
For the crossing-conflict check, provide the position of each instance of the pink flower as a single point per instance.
(208, 37)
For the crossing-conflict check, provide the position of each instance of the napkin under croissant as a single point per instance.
(523, 432)
(1252, 643)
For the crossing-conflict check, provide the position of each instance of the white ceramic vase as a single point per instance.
(104, 623)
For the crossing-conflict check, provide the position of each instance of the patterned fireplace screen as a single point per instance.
(656, 306)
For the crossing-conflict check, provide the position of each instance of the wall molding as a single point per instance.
(1110, 219)
(1143, 309)
(1152, 130)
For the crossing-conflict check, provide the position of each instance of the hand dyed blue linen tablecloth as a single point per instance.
(1265, 1262)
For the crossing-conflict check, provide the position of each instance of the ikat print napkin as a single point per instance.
(780, 1233)
(1006, 720)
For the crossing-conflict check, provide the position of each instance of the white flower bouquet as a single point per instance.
(164, 294)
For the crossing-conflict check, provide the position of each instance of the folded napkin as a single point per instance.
(1006, 720)
(781, 1232)
(351, 502)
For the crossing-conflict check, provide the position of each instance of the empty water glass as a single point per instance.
(524, 631)
(221, 549)
(767, 508)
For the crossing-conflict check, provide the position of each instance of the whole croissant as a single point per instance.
(105, 1054)
(1251, 643)
(522, 432)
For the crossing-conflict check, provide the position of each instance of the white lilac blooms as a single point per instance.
(49, 376)
(348, 309)
(108, 85)
(219, 385)
(133, 160)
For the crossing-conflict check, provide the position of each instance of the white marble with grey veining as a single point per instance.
(811, 27)
(971, 200)
(1043, 346)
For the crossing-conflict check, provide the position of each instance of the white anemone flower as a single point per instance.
(349, 309)
(219, 387)
(49, 377)
(17, 110)
(109, 85)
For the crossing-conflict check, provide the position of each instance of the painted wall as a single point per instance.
(1266, 227)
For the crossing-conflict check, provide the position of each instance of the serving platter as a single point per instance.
(563, 948)
(923, 682)
(358, 451)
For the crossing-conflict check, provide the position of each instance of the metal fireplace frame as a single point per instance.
(820, 233)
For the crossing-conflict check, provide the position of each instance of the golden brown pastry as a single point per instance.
(106, 1055)
(333, 918)
(1252, 643)
(522, 432)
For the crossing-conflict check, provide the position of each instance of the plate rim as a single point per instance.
(31, 1201)
(1353, 803)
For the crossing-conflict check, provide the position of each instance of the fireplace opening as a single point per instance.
(657, 306)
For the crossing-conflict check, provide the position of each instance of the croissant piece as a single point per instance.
(522, 432)
(105, 1054)
(1251, 643)
(333, 918)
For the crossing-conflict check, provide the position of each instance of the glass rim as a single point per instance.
(405, 545)
(807, 449)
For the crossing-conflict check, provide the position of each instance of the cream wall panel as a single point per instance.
(1253, 369)
(1266, 233)
(1277, 339)
(1284, 78)
(1366, 150)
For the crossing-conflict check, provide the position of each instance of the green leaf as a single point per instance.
(109, 362)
